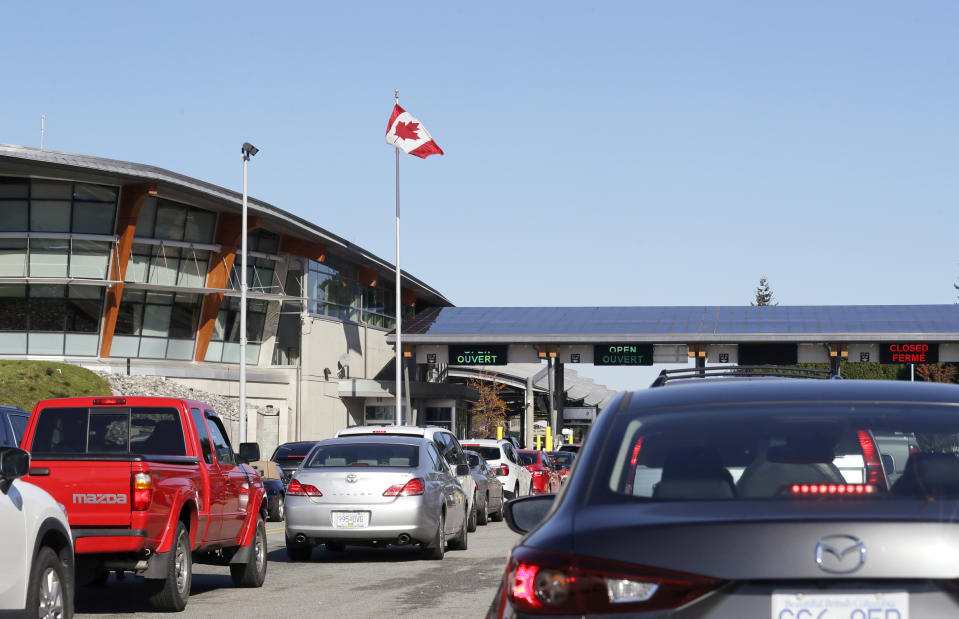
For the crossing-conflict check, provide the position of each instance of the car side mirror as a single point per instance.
(462, 470)
(524, 514)
(249, 452)
(14, 463)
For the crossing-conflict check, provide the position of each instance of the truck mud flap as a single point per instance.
(156, 566)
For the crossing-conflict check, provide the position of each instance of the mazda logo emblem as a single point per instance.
(840, 554)
(351, 478)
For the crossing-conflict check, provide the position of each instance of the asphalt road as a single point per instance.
(362, 582)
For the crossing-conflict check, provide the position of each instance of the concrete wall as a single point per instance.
(333, 350)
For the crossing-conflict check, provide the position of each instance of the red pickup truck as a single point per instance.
(150, 485)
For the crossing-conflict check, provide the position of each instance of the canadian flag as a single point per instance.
(406, 133)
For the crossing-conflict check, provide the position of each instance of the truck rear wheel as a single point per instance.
(253, 573)
(170, 594)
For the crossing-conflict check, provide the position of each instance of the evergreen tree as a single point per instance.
(764, 295)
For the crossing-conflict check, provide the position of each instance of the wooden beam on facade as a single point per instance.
(131, 201)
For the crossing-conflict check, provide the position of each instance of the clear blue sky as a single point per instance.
(630, 153)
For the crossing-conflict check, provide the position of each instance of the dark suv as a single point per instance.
(13, 422)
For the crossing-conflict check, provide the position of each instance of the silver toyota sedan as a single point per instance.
(739, 501)
(375, 490)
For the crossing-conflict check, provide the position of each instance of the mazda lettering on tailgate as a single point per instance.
(119, 499)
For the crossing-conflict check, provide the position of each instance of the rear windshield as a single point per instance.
(836, 452)
(490, 453)
(563, 459)
(527, 459)
(296, 450)
(137, 430)
(364, 454)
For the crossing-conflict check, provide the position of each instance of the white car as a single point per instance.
(502, 457)
(447, 444)
(36, 548)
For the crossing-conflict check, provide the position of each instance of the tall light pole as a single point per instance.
(248, 150)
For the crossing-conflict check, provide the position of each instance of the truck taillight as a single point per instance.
(142, 491)
(413, 487)
(244, 496)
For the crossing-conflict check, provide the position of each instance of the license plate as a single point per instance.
(801, 605)
(351, 520)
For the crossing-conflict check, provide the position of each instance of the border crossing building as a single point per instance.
(132, 269)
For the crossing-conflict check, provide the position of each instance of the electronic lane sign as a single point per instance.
(908, 352)
(623, 354)
(478, 355)
(768, 354)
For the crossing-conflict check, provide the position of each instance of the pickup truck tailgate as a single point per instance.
(95, 493)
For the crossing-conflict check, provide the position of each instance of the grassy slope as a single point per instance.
(24, 383)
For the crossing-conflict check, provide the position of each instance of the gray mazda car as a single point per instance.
(779, 498)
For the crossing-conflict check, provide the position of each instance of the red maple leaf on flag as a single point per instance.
(407, 131)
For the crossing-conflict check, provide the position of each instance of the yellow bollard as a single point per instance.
(499, 432)
(539, 442)
(549, 439)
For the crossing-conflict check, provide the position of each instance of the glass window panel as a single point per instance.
(193, 270)
(160, 298)
(93, 218)
(231, 352)
(13, 215)
(83, 315)
(171, 221)
(214, 352)
(90, 259)
(47, 314)
(219, 328)
(156, 320)
(12, 343)
(125, 346)
(45, 343)
(153, 347)
(13, 307)
(252, 354)
(49, 216)
(146, 219)
(85, 292)
(180, 349)
(129, 317)
(82, 345)
(48, 257)
(163, 270)
(254, 326)
(51, 190)
(137, 268)
(183, 320)
(98, 193)
(199, 226)
(13, 257)
(14, 188)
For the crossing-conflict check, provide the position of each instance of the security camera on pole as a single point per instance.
(248, 150)
(406, 133)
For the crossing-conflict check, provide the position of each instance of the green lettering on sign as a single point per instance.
(477, 355)
(623, 354)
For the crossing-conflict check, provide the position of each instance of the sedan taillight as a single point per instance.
(297, 489)
(413, 487)
(552, 583)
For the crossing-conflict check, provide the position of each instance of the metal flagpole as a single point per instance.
(398, 416)
(246, 161)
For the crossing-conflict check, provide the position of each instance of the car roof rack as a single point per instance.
(774, 371)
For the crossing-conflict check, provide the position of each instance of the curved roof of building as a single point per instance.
(33, 162)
